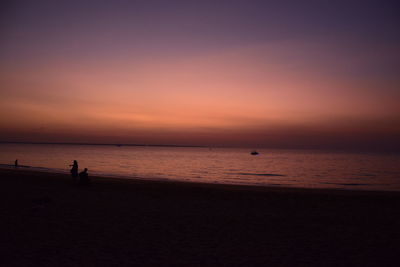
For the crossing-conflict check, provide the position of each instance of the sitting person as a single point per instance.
(84, 177)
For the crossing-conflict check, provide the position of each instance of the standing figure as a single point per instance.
(84, 177)
(16, 163)
(74, 169)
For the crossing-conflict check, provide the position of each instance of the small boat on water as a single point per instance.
(254, 153)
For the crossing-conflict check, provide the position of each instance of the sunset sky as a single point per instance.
(309, 74)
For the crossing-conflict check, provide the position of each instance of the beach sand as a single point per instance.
(48, 220)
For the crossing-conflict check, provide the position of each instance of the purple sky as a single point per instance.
(251, 73)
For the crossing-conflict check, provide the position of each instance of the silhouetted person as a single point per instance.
(74, 169)
(16, 163)
(84, 177)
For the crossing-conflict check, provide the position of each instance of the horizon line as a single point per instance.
(96, 144)
(357, 150)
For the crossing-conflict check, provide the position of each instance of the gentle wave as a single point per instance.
(348, 184)
(258, 174)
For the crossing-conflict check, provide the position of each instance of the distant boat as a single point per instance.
(254, 153)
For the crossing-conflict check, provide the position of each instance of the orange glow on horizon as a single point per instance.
(262, 91)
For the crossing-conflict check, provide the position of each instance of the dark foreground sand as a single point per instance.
(47, 220)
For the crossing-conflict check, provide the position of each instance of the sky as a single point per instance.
(289, 74)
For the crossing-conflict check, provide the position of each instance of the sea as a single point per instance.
(271, 167)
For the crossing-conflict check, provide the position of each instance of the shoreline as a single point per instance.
(104, 179)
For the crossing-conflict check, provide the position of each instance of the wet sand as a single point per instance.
(48, 220)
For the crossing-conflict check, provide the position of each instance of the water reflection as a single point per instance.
(298, 168)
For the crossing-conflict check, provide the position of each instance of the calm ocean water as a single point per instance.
(272, 167)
